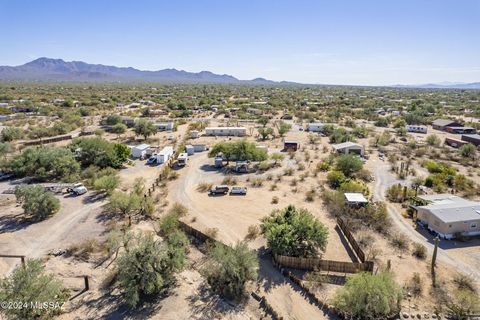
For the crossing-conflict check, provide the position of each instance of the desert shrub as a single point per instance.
(294, 232)
(204, 187)
(263, 166)
(364, 175)
(433, 140)
(288, 172)
(464, 282)
(399, 241)
(257, 182)
(31, 283)
(348, 164)
(228, 269)
(464, 304)
(147, 266)
(253, 232)
(419, 251)
(212, 232)
(415, 285)
(310, 195)
(229, 180)
(275, 200)
(107, 183)
(335, 179)
(369, 296)
(322, 166)
(354, 186)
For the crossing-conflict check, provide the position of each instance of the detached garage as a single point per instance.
(349, 147)
(140, 151)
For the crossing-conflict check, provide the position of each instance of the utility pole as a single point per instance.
(434, 259)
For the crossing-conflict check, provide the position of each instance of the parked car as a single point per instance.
(221, 189)
(238, 190)
(78, 189)
(152, 160)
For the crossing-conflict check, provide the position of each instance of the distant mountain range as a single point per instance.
(442, 85)
(46, 69)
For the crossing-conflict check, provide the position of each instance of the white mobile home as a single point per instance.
(416, 128)
(199, 147)
(226, 131)
(164, 155)
(165, 126)
(315, 127)
(140, 151)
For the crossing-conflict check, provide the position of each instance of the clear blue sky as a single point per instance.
(336, 42)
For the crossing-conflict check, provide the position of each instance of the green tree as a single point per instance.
(263, 121)
(368, 296)
(148, 266)
(46, 163)
(31, 283)
(107, 183)
(468, 150)
(229, 268)
(349, 164)
(37, 203)
(239, 150)
(145, 128)
(283, 128)
(113, 119)
(100, 152)
(9, 134)
(127, 204)
(265, 132)
(119, 129)
(294, 232)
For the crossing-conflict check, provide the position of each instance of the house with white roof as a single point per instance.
(449, 215)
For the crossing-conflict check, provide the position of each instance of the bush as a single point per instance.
(465, 282)
(229, 180)
(335, 179)
(294, 232)
(99, 152)
(368, 296)
(239, 150)
(399, 241)
(348, 164)
(37, 203)
(147, 266)
(419, 251)
(253, 232)
(415, 285)
(46, 164)
(204, 187)
(10, 134)
(31, 283)
(107, 183)
(229, 268)
(275, 200)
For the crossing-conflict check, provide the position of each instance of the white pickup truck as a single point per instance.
(238, 190)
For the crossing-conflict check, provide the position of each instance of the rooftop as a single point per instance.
(355, 197)
(142, 146)
(449, 208)
(443, 122)
(347, 144)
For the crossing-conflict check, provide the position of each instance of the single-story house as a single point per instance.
(290, 145)
(449, 215)
(461, 130)
(315, 126)
(442, 124)
(140, 151)
(355, 199)
(226, 131)
(472, 138)
(349, 147)
(416, 128)
(164, 126)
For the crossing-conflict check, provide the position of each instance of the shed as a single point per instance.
(140, 151)
(218, 161)
(442, 124)
(355, 199)
(315, 126)
(472, 138)
(165, 126)
(349, 147)
(290, 145)
(194, 134)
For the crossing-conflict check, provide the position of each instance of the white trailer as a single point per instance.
(315, 127)
(199, 147)
(189, 149)
(226, 131)
(165, 154)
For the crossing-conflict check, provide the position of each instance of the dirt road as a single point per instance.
(383, 179)
(74, 223)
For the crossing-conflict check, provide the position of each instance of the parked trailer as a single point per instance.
(182, 159)
(164, 155)
(454, 143)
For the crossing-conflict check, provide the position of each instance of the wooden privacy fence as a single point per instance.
(324, 265)
(197, 234)
(351, 239)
